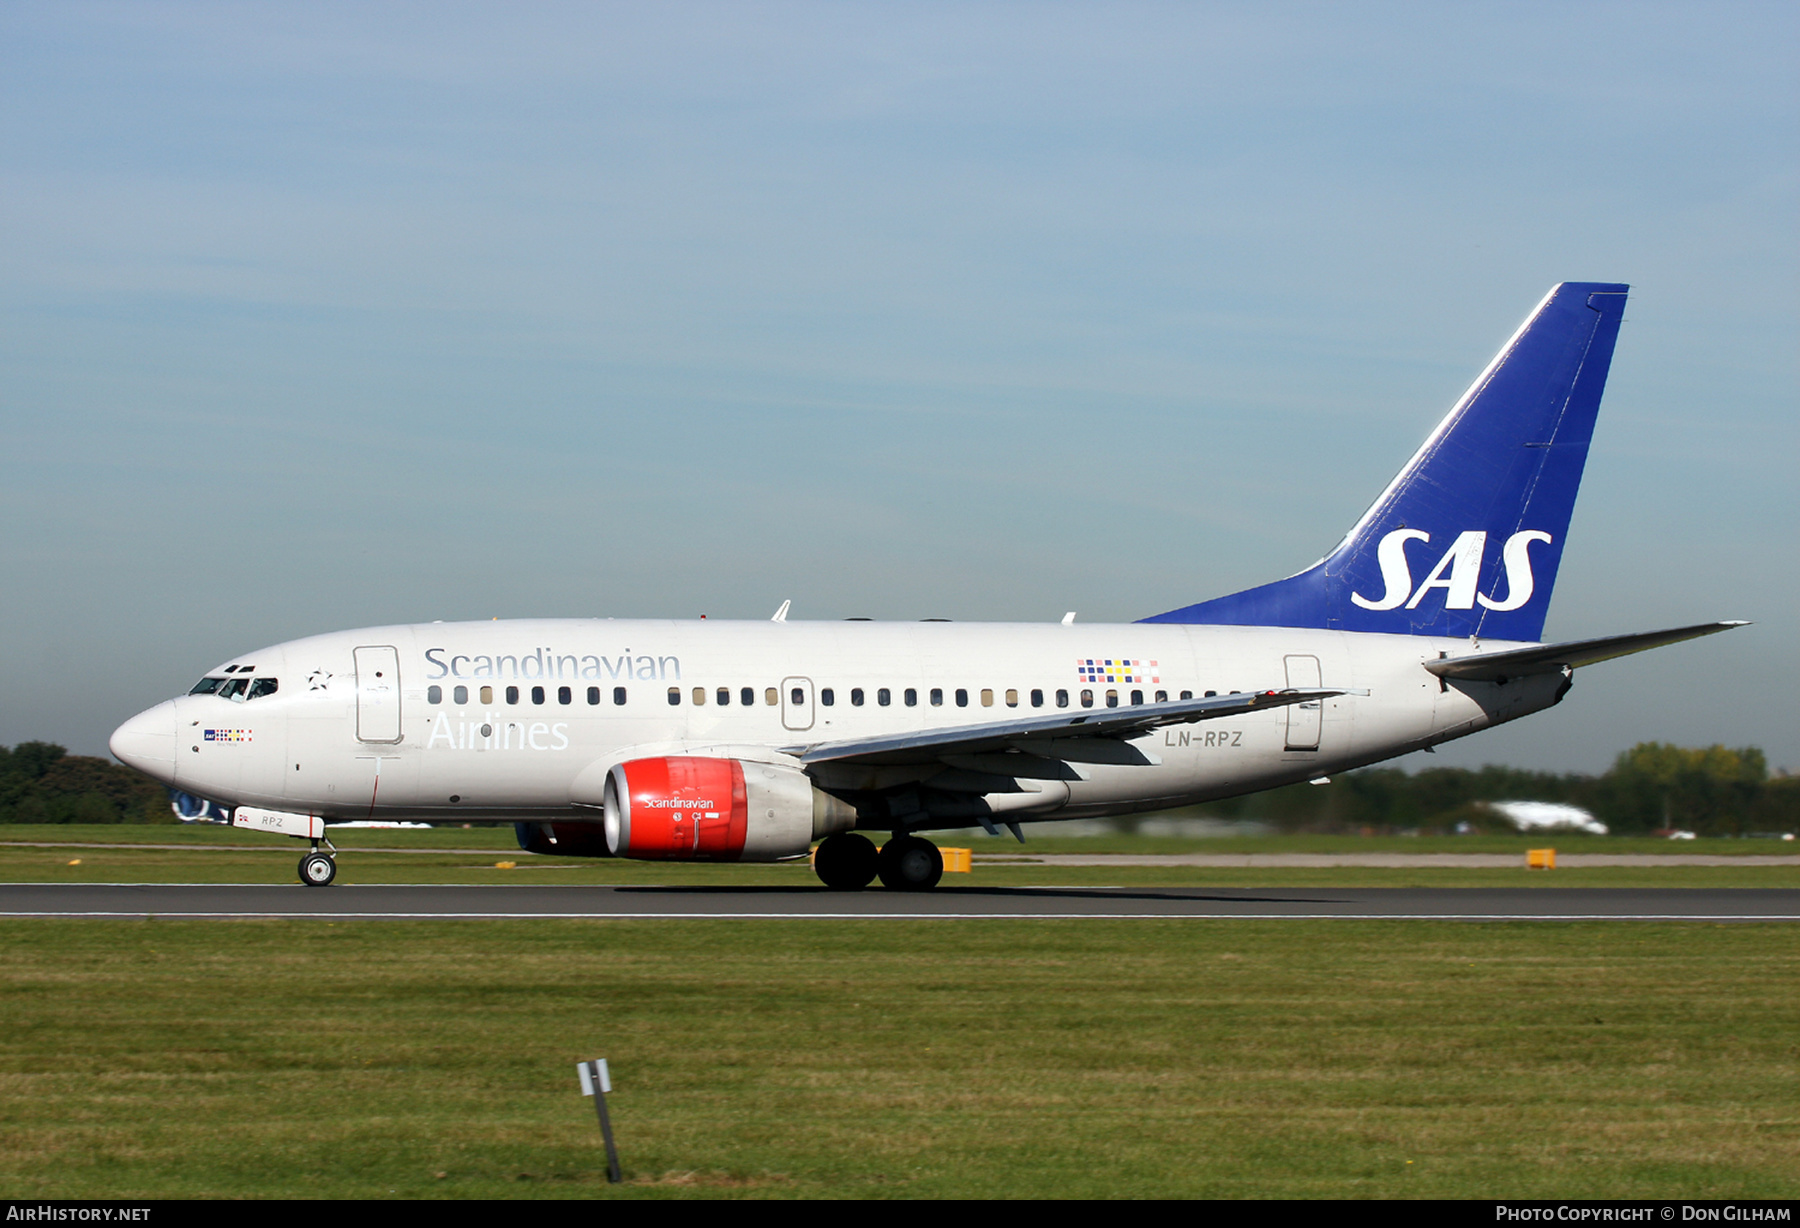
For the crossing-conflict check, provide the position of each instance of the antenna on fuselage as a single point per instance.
(781, 614)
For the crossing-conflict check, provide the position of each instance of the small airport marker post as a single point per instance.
(596, 1081)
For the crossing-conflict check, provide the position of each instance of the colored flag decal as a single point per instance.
(227, 735)
(1116, 669)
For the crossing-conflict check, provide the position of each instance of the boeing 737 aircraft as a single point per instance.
(749, 741)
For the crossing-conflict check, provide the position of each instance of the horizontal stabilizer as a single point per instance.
(1037, 734)
(1552, 658)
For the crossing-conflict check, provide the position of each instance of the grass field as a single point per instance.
(925, 1058)
(939, 1058)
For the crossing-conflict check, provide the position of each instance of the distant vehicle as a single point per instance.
(748, 741)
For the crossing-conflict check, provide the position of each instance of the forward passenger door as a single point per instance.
(378, 694)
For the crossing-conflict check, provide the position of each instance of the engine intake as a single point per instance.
(691, 808)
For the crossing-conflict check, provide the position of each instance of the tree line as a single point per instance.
(41, 782)
(1711, 791)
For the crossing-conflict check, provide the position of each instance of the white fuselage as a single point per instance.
(439, 736)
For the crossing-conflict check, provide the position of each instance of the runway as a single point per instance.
(1016, 856)
(240, 901)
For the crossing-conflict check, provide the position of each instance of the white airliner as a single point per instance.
(749, 741)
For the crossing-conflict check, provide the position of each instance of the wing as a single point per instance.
(1552, 658)
(1086, 736)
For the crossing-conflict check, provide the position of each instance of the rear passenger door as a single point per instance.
(1304, 719)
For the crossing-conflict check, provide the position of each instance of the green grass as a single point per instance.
(922, 1059)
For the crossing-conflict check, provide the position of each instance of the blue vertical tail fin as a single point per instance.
(1466, 540)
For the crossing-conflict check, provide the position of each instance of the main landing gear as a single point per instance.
(849, 862)
(317, 869)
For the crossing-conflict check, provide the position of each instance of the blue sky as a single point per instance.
(329, 315)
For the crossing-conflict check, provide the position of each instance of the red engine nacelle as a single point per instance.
(690, 808)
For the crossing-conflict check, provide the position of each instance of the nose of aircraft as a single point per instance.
(147, 742)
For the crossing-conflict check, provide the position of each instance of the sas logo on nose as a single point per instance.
(1457, 573)
(227, 735)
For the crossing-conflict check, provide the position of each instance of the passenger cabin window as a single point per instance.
(1137, 697)
(1187, 694)
(537, 694)
(487, 694)
(460, 695)
(987, 698)
(206, 686)
(564, 695)
(1112, 699)
(884, 697)
(512, 694)
(619, 696)
(724, 697)
(1012, 699)
(593, 696)
(747, 696)
(771, 696)
(1037, 699)
(962, 698)
(268, 686)
(434, 694)
(1087, 699)
(827, 696)
(912, 698)
(1062, 699)
(699, 697)
(937, 696)
(798, 696)
(674, 697)
(1162, 697)
(856, 697)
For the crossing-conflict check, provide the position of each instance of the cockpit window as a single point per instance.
(234, 689)
(206, 686)
(264, 686)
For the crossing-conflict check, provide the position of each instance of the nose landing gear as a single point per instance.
(317, 869)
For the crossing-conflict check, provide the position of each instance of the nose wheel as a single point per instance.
(318, 869)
